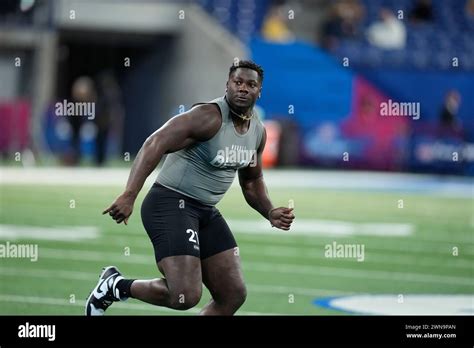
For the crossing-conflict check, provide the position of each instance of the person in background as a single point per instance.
(82, 91)
(448, 116)
(389, 33)
(344, 21)
(275, 26)
(110, 114)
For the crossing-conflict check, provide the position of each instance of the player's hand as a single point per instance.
(121, 209)
(281, 218)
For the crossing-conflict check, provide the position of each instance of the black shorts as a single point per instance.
(180, 225)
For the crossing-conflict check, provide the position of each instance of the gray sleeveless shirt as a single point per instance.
(205, 170)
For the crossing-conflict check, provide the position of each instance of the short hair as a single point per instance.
(247, 64)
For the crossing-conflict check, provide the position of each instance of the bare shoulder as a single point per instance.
(208, 112)
(206, 120)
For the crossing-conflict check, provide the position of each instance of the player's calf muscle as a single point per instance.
(157, 292)
(153, 291)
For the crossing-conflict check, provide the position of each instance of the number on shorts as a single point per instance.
(194, 236)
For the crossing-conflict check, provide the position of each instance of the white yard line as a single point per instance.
(128, 306)
(85, 276)
(248, 229)
(87, 235)
(370, 257)
(358, 273)
(403, 245)
(276, 267)
(307, 252)
(64, 233)
(318, 227)
(260, 229)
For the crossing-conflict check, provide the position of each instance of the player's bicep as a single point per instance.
(183, 130)
(176, 134)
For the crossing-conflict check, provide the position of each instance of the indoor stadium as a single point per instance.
(369, 120)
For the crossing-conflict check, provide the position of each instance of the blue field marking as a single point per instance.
(325, 302)
(468, 311)
(414, 304)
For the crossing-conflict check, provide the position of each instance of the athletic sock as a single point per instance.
(124, 288)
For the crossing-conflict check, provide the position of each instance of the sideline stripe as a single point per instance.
(446, 186)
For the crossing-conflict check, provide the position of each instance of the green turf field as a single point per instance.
(285, 273)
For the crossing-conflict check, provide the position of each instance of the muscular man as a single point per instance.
(193, 244)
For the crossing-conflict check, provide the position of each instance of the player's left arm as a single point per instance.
(256, 193)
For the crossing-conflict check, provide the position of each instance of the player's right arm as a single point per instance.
(198, 124)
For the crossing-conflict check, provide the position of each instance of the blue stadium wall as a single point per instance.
(308, 86)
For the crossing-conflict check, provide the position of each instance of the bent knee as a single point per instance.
(186, 299)
(234, 298)
(240, 295)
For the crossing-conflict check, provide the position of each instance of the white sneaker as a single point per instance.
(105, 292)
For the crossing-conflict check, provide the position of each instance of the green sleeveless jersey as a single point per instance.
(205, 170)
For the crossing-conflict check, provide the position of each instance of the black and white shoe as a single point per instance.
(105, 292)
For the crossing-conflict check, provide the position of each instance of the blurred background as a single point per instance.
(401, 186)
(329, 65)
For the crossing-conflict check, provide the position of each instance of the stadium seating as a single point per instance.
(430, 46)
(241, 17)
